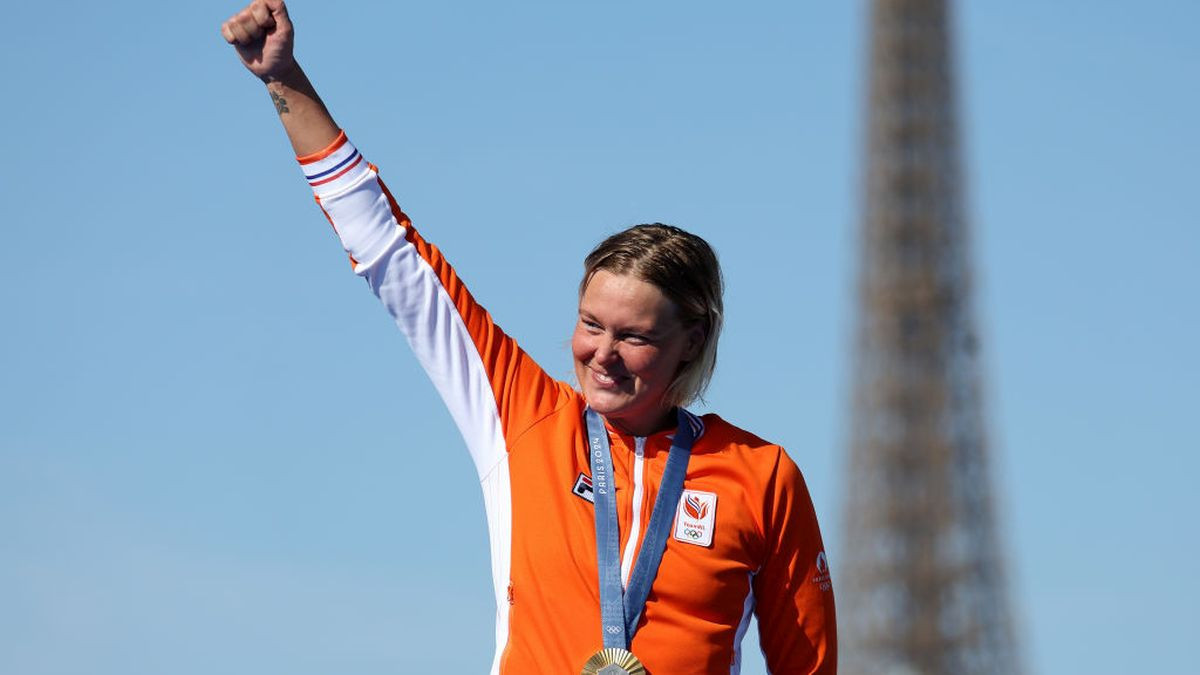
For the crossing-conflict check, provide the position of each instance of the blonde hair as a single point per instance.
(685, 268)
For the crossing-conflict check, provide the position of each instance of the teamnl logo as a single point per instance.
(821, 578)
(695, 517)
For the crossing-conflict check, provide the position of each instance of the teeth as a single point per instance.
(604, 379)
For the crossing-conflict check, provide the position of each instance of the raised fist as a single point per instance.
(262, 35)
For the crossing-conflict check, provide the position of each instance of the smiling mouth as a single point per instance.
(604, 380)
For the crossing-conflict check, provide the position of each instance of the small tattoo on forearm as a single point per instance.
(280, 103)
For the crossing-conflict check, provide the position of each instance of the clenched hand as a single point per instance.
(262, 34)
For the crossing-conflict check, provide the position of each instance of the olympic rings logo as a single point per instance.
(694, 534)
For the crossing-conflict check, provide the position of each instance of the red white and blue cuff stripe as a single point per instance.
(336, 168)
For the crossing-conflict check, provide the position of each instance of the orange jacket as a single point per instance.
(745, 540)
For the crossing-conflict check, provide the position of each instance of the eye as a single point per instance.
(591, 326)
(636, 339)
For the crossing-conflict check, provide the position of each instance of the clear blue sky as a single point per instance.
(216, 455)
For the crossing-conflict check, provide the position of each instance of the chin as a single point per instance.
(605, 402)
(624, 413)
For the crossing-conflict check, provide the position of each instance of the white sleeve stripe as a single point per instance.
(362, 217)
(423, 310)
(497, 500)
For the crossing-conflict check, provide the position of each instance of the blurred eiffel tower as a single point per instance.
(922, 588)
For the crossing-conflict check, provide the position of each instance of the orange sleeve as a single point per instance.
(793, 590)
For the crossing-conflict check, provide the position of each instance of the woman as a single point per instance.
(626, 532)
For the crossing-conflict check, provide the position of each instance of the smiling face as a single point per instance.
(628, 346)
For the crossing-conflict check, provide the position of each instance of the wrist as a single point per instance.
(287, 76)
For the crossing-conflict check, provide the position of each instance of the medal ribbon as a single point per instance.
(620, 610)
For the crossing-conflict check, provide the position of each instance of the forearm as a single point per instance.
(305, 118)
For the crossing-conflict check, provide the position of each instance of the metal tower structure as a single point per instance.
(922, 588)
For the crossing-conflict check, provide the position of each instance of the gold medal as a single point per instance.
(613, 661)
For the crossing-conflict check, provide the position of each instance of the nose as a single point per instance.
(606, 350)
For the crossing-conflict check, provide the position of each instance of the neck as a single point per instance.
(664, 420)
